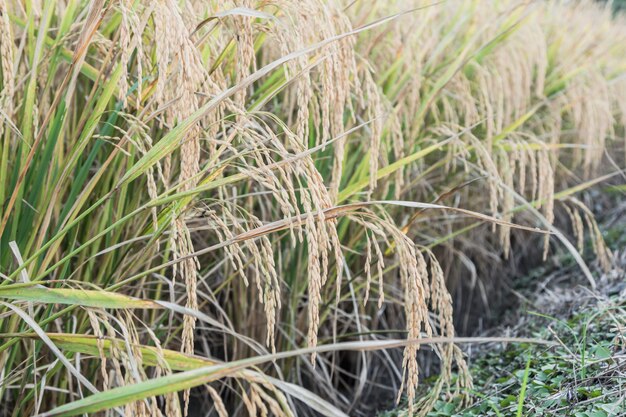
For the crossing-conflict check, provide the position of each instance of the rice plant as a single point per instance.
(239, 207)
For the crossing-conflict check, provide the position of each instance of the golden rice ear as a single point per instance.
(249, 403)
(602, 252)
(336, 76)
(487, 163)
(245, 50)
(137, 135)
(546, 192)
(419, 288)
(95, 326)
(414, 278)
(134, 362)
(6, 64)
(592, 119)
(220, 408)
(375, 110)
(451, 354)
(116, 354)
(187, 268)
(464, 383)
(124, 42)
(180, 75)
(617, 91)
(380, 266)
(256, 398)
(394, 132)
(268, 404)
(521, 155)
(373, 232)
(367, 267)
(506, 169)
(577, 227)
(172, 405)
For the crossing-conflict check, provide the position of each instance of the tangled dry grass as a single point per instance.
(226, 195)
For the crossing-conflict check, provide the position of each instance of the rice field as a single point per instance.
(279, 207)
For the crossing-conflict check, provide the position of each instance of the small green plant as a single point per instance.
(580, 375)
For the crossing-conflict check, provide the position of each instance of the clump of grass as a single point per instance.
(219, 179)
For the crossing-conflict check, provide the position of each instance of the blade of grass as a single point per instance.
(522, 394)
(86, 298)
(189, 379)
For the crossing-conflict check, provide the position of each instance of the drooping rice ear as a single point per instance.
(603, 254)
(245, 49)
(577, 227)
(367, 267)
(487, 163)
(464, 383)
(546, 192)
(508, 200)
(375, 111)
(95, 326)
(220, 408)
(335, 79)
(414, 279)
(6, 64)
(180, 74)
(124, 41)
